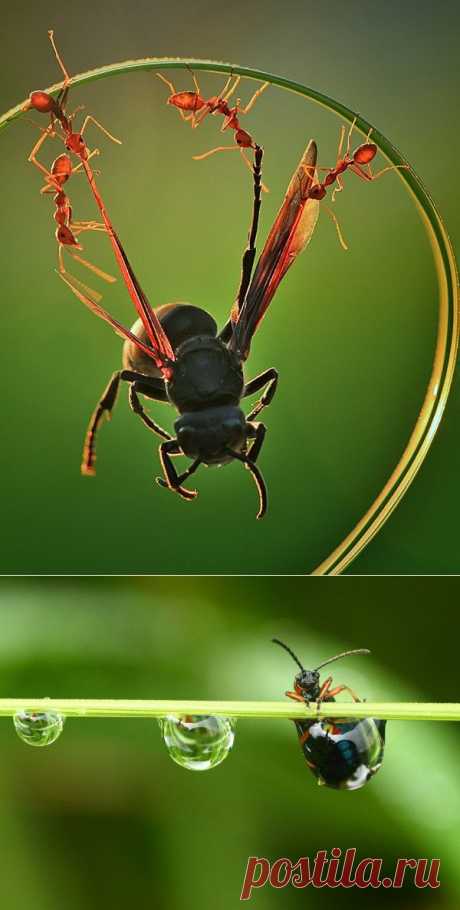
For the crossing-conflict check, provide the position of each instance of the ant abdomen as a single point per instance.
(365, 153)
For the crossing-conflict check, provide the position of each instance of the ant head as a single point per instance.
(365, 153)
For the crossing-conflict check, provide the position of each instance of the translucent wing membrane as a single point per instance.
(291, 232)
(90, 299)
(161, 351)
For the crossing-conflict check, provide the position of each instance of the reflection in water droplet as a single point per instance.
(38, 728)
(198, 743)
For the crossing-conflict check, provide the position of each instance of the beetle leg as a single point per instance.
(268, 378)
(332, 692)
(296, 697)
(172, 481)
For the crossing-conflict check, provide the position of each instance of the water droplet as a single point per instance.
(198, 743)
(38, 728)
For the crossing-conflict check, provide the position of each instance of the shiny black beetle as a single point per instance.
(342, 753)
(175, 354)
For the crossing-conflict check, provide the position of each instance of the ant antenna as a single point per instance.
(344, 654)
(278, 642)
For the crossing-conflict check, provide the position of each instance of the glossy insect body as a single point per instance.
(174, 354)
(342, 753)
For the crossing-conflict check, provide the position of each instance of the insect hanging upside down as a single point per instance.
(342, 753)
(175, 354)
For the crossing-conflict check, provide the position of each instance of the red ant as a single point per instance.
(362, 156)
(198, 108)
(61, 170)
(67, 230)
(356, 162)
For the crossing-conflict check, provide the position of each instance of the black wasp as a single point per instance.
(341, 753)
(175, 353)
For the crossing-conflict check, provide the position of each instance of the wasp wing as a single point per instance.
(91, 300)
(161, 347)
(290, 234)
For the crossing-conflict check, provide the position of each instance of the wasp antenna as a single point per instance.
(281, 643)
(343, 654)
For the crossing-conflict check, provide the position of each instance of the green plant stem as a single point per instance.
(80, 707)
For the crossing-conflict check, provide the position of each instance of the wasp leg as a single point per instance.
(268, 378)
(104, 407)
(136, 406)
(150, 386)
(257, 433)
(172, 480)
(250, 252)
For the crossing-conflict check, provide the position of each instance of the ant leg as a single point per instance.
(369, 176)
(338, 188)
(251, 466)
(89, 265)
(170, 85)
(103, 408)
(58, 58)
(90, 119)
(32, 157)
(136, 406)
(173, 90)
(79, 167)
(171, 479)
(350, 131)
(268, 378)
(251, 103)
(220, 148)
(224, 94)
(337, 227)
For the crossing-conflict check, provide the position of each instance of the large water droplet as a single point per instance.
(198, 743)
(38, 728)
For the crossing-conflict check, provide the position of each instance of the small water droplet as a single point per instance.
(198, 743)
(38, 728)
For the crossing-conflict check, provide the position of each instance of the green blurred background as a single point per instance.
(104, 818)
(352, 334)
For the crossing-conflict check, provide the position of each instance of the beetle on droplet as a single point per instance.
(342, 753)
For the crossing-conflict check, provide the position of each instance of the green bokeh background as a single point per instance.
(352, 334)
(104, 818)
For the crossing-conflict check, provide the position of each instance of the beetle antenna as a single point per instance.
(344, 654)
(278, 642)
